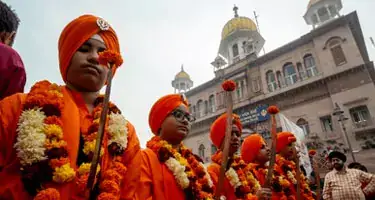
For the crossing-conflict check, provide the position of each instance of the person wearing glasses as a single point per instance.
(169, 170)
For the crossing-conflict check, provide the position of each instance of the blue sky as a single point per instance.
(156, 37)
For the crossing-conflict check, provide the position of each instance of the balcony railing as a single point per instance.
(364, 124)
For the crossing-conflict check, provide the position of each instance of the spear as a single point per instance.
(111, 60)
(316, 172)
(272, 110)
(228, 87)
(298, 173)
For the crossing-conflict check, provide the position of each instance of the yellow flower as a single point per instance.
(53, 130)
(190, 173)
(64, 174)
(56, 92)
(96, 121)
(89, 146)
(85, 169)
(54, 144)
(181, 160)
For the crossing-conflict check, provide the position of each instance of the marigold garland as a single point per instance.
(48, 194)
(280, 185)
(40, 139)
(289, 170)
(241, 179)
(189, 173)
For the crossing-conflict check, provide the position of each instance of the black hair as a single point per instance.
(356, 165)
(9, 20)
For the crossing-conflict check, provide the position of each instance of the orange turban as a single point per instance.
(162, 108)
(217, 132)
(283, 140)
(79, 31)
(251, 147)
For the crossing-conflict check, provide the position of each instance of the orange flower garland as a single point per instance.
(248, 184)
(229, 85)
(200, 183)
(280, 185)
(48, 194)
(40, 126)
(288, 168)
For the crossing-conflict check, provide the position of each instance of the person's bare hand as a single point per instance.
(264, 194)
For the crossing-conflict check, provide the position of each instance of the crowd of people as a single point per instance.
(48, 138)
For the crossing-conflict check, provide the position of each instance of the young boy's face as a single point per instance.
(176, 126)
(85, 73)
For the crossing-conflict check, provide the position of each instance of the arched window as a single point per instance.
(247, 47)
(271, 81)
(310, 66)
(240, 89)
(213, 149)
(301, 71)
(200, 108)
(235, 50)
(290, 74)
(336, 51)
(201, 150)
(323, 14)
(280, 80)
(205, 107)
(211, 103)
(302, 123)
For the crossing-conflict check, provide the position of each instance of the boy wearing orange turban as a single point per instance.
(48, 136)
(286, 154)
(169, 170)
(255, 152)
(239, 183)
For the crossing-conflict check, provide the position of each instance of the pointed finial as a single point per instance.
(182, 67)
(235, 9)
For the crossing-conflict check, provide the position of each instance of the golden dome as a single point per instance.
(182, 74)
(238, 23)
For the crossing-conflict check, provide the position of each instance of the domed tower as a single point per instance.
(321, 11)
(239, 38)
(182, 81)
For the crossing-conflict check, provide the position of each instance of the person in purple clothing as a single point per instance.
(12, 71)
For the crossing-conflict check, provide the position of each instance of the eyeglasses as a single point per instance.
(181, 116)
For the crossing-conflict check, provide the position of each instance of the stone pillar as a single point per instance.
(317, 16)
(337, 10)
(328, 11)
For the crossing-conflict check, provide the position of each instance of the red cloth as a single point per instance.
(79, 31)
(251, 147)
(217, 132)
(283, 140)
(12, 72)
(162, 108)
